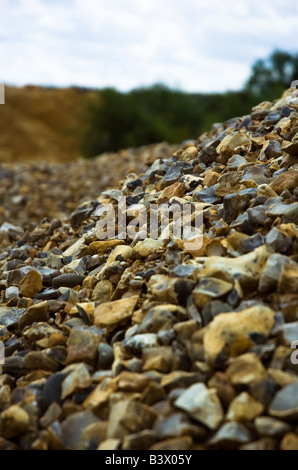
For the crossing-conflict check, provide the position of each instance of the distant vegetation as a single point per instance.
(147, 115)
(56, 124)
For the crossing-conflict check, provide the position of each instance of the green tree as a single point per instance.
(270, 77)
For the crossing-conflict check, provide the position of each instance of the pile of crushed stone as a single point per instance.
(132, 343)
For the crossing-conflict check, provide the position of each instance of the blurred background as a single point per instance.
(84, 77)
(127, 81)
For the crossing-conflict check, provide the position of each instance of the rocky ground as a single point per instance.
(148, 344)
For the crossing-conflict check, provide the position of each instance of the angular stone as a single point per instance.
(31, 284)
(202, 404)
(230, 334)
(246, 369)
(288, 281)
(101, 394)
(111, 314)
(287, 180)
(103, 291)
(179, 379)
(11, 316)
(140, 441)
(291, 213)
(288, 333)
(272, 272)
(146, 247)
(257, 215)
(176, 189)
(234, 204)
(268, 426)
(52, 414)
(132, 382)
(244, 408)
(102, 246)
(78, 378)
(230, 436)
(278, 240)
(172, 175)
(73, 426)
(255, 173)
(246, 269)
(177, 425)
(129, 417)
(51, 392)
(285, 403)
(137, 343)
(14, 422)
(36, 313)
(82, 346)
(236, 161)
(39, 360)
(110, 444)
(212, 287)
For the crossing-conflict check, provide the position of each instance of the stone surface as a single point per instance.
(14, 422)
(285, 403)
(246, 369)
(202, 404)
(36, 313)
(230, 333)
(78, 378)
(244, 408)
(82, 346)
(230, 436)
(111, 314)
(31, 284)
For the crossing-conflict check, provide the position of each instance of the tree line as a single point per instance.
(158, 113)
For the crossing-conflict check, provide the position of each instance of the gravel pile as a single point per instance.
(132, 343)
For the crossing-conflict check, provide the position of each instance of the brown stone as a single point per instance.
(289, 442)
(111, 314)
(35, 313)
(287, 180)
(14, 422)
(176, 443)
(229, 333)
(176, 189)
(31, 284)
(82, 346)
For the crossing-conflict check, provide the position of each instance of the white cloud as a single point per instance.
(198, 45)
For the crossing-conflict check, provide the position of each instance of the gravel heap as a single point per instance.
(143, 344)
(33, 190)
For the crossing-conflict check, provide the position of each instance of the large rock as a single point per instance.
(231, 334)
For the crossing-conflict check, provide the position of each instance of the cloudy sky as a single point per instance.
(194, 45)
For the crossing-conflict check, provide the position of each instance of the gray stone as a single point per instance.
(202, 404)
(230, 435)
(67, 280)
(272, 427)
(278, 240)
(285, 403)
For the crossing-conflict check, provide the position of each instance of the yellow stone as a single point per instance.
(110, 314)
(229, 333)
(31, 284)
(105, 245)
